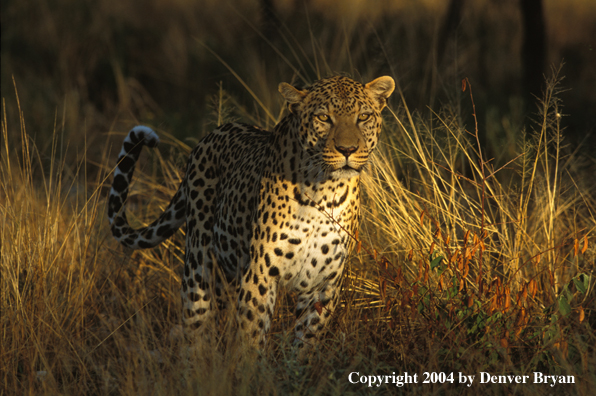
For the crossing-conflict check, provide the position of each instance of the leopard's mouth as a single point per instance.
(345, 168)
(347, 172)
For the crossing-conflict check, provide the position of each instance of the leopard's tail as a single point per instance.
(167, 223)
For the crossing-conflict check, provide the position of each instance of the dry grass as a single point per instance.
(462, 271)
(466, 263)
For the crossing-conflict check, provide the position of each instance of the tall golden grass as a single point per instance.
(462, 267)
(464, 263)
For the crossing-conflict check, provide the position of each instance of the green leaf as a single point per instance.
(565, 292)
(564, 306)
(579, 284)
(436, 262)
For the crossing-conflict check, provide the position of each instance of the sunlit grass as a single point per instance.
(458, 270)
(465, 263)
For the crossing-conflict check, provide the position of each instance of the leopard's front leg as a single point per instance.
(256, 301)
(313, 312)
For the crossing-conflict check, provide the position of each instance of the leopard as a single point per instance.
(266, 209)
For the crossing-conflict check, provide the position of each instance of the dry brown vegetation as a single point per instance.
(477, 250)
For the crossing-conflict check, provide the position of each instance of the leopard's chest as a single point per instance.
(313, 238)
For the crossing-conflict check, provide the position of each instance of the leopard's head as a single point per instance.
(340, 121)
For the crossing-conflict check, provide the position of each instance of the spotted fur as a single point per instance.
(267, 209)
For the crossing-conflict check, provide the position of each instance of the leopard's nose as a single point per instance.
(346, 151)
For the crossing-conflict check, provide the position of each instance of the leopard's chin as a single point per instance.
(346, 172)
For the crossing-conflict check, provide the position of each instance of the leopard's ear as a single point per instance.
(380, 89)
(292, 95)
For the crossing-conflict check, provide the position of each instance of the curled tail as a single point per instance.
(167, 223)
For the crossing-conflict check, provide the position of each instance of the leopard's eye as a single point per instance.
(363, 117)
(323, 118)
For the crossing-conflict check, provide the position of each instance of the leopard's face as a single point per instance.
(340, 121)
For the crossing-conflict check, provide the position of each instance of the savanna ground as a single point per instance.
(477, 249)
